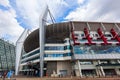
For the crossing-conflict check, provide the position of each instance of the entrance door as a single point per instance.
(109, 72)
(89, 72)
(63, 73)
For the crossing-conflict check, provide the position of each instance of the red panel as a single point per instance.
(102, 36)
(88, 36)
(74, 39)
(115, 35)
(90, 44)
(118, 44)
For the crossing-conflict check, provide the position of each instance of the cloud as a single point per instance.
(4, 3)
(80, 1)
(31, 9)
(27, 12)
(9, 27)
(96, 10)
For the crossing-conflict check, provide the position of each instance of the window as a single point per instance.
(54, 48)
(86, 62)
(96, 35)
(108, 35)
(31, 54)
(77, 50)
(105, 61)
(76, 34)
(67, 47)
(82, 35)
(57, 55)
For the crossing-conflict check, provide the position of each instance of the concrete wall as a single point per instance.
(51, 67)
(77, 72)
(64, 65)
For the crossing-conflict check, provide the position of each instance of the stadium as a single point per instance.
(72, 48)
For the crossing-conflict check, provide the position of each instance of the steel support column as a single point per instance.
(42, 19)
(79, 67)
(101, 68)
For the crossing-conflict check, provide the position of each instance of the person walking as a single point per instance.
(9, 74)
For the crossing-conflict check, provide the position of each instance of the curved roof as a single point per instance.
(55, 33)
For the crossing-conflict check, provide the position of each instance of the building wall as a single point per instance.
(64, 65)
(91, 65)
(7, 55)
(85, 42)
(51, 67)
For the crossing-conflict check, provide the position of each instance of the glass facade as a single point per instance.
(68, 47)
(96, 49)
(49, 55)
(54, 48)
(57, 55)
(53, 55)
(26, 56)
(7, 55)
(31, 54)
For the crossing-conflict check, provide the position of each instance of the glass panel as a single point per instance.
(96, 49)
(67, 47)
(31, 54)
(54, 48)
(50, 55)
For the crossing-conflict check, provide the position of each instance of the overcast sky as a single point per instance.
(16, 15)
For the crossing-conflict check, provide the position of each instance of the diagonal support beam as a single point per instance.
(19, 46)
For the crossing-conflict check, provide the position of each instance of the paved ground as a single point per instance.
(68, 78)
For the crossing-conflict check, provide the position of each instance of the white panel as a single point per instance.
(31, 52)
(54, 51)
(50, 59)
(30, 57)
(88, 67)
(97, 56)
(19, 45)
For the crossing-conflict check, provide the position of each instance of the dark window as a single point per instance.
(96, 35)
(82, 35)
(108, 35)
(76, 34)
(67, 47)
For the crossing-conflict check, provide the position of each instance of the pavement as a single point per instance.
(67, 78)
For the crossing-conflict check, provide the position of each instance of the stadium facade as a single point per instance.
(7, 56)
(73, 48)
(69, 48)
